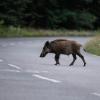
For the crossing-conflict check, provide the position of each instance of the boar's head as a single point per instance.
(46, 49)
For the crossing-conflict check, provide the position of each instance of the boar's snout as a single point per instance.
(45, 50)
(42, 55)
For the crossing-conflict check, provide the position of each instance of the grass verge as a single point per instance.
(29, 32)
(93, 46)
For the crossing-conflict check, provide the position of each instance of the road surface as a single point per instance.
(25, 76)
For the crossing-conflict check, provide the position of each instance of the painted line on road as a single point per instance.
(96, 94)
(45, 78)
(1, 60)
(36, 71)
(8, 70)
(14, 66)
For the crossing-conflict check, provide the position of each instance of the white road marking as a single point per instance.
(45, 78)
(14, 66)
(36, 71)
(8, 70)
(1, 60)
(96, 94)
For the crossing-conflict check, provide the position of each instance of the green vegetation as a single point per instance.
(51, 14)
(93, 46)
(29, 32)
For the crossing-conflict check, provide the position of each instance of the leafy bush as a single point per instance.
(68, 14)
(71, 20)
(93, 46)
(85, 20)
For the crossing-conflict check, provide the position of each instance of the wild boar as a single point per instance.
(62, 46)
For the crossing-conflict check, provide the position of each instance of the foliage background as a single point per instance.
(51, 14)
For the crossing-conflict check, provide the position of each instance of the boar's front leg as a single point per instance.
(57, 58)
(74, 58)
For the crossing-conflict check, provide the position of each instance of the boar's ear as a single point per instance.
(47, 43)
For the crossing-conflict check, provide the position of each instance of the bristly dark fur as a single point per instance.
(62, 46)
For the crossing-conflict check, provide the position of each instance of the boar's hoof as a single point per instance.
(57, 64)
(70, 64)
(84, 65)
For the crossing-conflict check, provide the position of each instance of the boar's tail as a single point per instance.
(84, 49)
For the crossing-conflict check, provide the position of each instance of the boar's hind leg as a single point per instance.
(82, 57)
(57, 58)
(74, 58)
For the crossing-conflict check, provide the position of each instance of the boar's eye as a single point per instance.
(47, 50)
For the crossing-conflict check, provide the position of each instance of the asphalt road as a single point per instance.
(25, 76)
